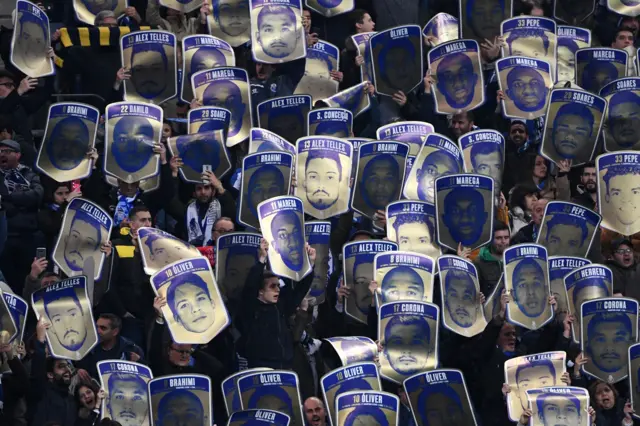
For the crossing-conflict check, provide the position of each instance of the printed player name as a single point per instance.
(386, 147)
(454, 47)
(94, 212)
(72, 109)
(270, 379)
(526, 62)
(467, 180)
(175, 383)
(528, 251)
(265, 415)
(604, 54)
(404, 258)
(298, 100)
(127, 367)
(567, 32)
(157, 37)
(270, 158)
(412, 307)
(182, 267)
(593, 272)
(626, 84)
(435, 377)
(353, 372)
(334, 115)
(370, 399)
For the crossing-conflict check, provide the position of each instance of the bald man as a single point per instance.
(314, 412)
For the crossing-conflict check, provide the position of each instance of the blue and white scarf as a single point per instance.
(124, 206)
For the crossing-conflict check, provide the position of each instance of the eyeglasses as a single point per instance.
(624, 251)
(223, 231)
(6, 151)
(182, 351)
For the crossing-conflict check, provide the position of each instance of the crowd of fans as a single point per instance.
(272, 326)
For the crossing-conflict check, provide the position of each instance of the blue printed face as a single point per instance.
(464, 217)
(397, 77)
(132, 146)
(485, 18)
(460, 301)
(194, 308)
(322, 183)
(82, 243)
(184, 412)
(402, 285)
(197, 153)
(128, 403)
(288, 126)
(380, 183)
(278, 35)
(267, 185)
(440, 410)
(289, 243)
(68, 144)
(410, 348)
(457, 81)
(566, 240)
(571, 133)
(272, 402)
(608, 345)
(233, 17)
(560, 411)
(67, 322)
(624, 123)
(529, 290)
(527, 89)
(206, 59)
(32, 44)
(149, 74)
(225, 94)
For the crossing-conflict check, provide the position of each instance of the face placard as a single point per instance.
(285, 116)
(568, 229)
(634, 377)
(412, 224)
(586, 283)
(441, 29)
(202, 52)
(86, 10)
(621, 128)
(413, 133)
(10, 328)
(480, 19)
(273, 390)
(408, 333)
(230, 21)
(531, 372)
(379, 176)
(181, 399)
(363, 47)
(335, 122)
(462, 311)
(67, 307)
(404, 277)
(559, 405)
(560, 267)
(598, 66)
(439, 397)
(354, 99)
(126, 387)
(318, 236)
(131, 130)
(18, 310)
(458, 75)
(367, 408)
(160, 249)
(253, 417)
(30, 41)
(330, 8)
(399, 45)
(572, 126)
(483, 154)
(609, 327)
(527, 281)
(206, 119)
(439, 156)
(263, 140)
(236, 253)
(151, 57)
(228, 88)
(530, 37)
(570, 39)
(85, 227)
(353, 349)
(358, 273)
(624, 7)
(200, 150)
(356, 377)
(230, 389)
(526, 84)
(69, 135)
(618, 191)
(277, 34)
(282, 225)
(573, 11)
(322, 58)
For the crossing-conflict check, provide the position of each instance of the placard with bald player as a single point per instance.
(526, 84)
(8, 327)
(250, 417)
(565, 405)
(527, 283)
(570, 39)
(531, 372)
(568, 229)
(195, 312)
(322, 59)
(361, 376)
(236, 253)
(277, 34)
(403, 276)
(282, 225)
(285, 116)
(85, 228)
(598, 66)
(31, 40)
(367, 408)
(442, 28)
(180, 399)
(230, 21)
(457, 71)
(464, 210)
(261, 140)
(560, 267)
(412, 224)
(363, 47)
(330, 8)
(439, 156)
(354, 99)
(276, 390)
(624, 7)
(199, 152)
(323, 175)
(126, 391)
(353, 349)
(230, 392)
(408, 334)
(589, 282)
(618, 191)
(609, 327)
(388, 48)
(151, 58)
(572, 126)
(86, 10)
(573, 11)
(66, 306)
(159, 249)
(264, 175)
(317, 235)
(206, 119)
(69, 135)
(480, 19)
(462, 309)
(18, 309)
(530, 37)
(335, 122)
(358, 273)
(379, 175)
(621, 129)
(413, 133)
(202, 52)
(483, 153)
(227, 87)
(440, 394)
(634, 377)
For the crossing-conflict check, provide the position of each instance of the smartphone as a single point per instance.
(41, 252)
(75, 185)
(206, 168)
